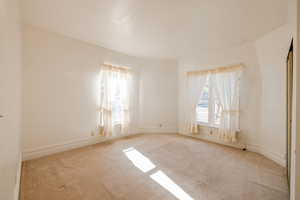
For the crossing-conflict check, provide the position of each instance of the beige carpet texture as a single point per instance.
(154, 167)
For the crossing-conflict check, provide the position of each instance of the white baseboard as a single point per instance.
(253, 147)
(30, 154)
(278, 158)
(56, 148)
(214, 140)
(158, 130)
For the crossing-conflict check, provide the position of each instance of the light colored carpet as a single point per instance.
(156, 167)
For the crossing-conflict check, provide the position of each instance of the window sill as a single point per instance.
(206, 125)
(201, 125)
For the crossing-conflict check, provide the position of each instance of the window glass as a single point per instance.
(116, 99)
(209, 108)
(217, 112)
(116, 105)
(203, 106)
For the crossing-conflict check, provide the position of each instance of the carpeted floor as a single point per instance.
(156, 167)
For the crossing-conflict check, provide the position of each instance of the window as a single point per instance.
(202, 108)
(117, 106)
(114, 98)
(209, 109)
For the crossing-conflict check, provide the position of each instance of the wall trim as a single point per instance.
(276, 157)
(279, 159)
(158, 130)
(30, 154)
(213, 140)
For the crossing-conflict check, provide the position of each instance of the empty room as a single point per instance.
(149, 100)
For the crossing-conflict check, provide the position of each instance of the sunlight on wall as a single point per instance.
(139, 160)
(162, 179)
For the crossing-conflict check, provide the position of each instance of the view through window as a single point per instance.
(117, 106)
(117, 85)
(209, 109)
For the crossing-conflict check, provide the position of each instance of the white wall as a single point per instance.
(272, 52)
(61, 91)
(250, 88)
(263, 91)
(10, 99)
(158, 88)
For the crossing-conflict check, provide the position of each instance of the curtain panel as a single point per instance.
(195, 85)
(115, 98)
(225, 84)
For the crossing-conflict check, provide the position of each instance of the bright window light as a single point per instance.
(162, 179)
(139, 160)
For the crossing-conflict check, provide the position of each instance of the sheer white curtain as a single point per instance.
(125, 97)
(226, 86)
(195, 84)
(115, 95)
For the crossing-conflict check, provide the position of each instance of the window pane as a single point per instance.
(202, 108)
(117, 93)
(116, 103)
(217, 112)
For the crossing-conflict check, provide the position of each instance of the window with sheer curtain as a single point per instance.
(115, 96)
(213, 100)
(209, 109)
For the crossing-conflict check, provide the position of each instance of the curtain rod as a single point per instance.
(229, 68)
(116, 67)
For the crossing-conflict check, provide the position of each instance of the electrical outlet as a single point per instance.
(160, 125)
(92, 133)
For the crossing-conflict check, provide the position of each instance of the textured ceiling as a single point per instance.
(158, 28)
